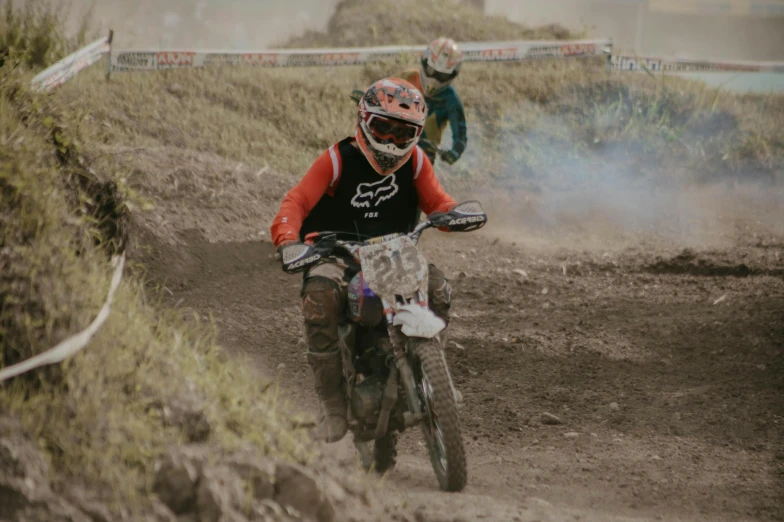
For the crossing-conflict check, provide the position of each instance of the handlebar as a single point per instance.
(296, 257)
(323, 240)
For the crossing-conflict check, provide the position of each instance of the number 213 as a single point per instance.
(384, 264)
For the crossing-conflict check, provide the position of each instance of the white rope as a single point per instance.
(73, 344)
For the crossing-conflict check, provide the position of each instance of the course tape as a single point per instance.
(635, 63)
(136, 60)
(73, 344)
(71, 65)
(712, 7)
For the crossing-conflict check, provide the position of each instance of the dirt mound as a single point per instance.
(688, 262)
(720, 263)
(357, 23)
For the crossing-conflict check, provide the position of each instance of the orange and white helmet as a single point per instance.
(391, 117)
(440, 65)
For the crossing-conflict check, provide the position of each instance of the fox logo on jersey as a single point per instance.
(375, 193)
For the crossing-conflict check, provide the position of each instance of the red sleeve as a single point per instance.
(301, 199)
(432, 197)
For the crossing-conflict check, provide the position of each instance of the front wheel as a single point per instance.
(440, 425)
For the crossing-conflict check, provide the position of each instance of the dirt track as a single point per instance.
(666, 367)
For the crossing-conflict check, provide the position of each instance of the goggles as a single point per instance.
(387, 130)
(440, 76)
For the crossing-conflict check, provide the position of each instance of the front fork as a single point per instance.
(399, 342)
(405, 373)
(400, 370)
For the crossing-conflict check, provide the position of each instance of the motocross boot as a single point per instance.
(328, 374)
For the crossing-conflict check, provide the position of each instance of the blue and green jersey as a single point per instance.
(444, 108)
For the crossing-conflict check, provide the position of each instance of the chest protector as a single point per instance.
(363, 202)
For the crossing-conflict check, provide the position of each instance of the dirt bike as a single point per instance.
(396, 374)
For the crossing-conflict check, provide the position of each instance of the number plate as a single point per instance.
(394, 267)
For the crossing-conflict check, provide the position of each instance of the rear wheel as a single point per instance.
(440, 425)
(379, 455)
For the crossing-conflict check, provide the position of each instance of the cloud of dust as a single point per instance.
(204, 24)
(663, 34)
(610, 198)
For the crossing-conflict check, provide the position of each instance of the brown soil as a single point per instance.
(665, 365)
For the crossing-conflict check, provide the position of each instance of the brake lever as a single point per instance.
(439, 219)
(430, 145)
(326, 244)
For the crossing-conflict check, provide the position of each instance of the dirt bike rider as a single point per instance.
(372, 183)
(438, 68)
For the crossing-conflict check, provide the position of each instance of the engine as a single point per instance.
(364, 306)
(373, 352)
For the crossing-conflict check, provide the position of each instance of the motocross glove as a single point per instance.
(280, 247)
(450, 156)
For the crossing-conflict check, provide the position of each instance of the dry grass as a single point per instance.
(535, 124)
(527, 122)
(32, 35)
(101, 416)
(358, 23)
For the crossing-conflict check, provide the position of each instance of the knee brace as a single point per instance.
(322, 305)
(439, 293)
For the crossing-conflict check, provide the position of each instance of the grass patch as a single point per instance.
(32, 35)
(533, 124)
(552, 122)
(104, 416)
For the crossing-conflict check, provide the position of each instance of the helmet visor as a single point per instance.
(440, 76)
(387, 130)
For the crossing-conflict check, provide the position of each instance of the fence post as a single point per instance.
(109, 56)
(608, 56)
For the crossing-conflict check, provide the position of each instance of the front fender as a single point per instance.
(418, 321)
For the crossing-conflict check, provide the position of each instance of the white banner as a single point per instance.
(71, 65)
(135, 60)
(74, 344)
(634, 63)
